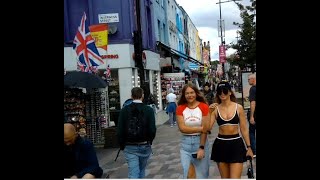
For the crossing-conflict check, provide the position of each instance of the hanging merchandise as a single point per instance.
(96, 115)
(175, 81)
(155, 93)
(74, 109)
(87, 111)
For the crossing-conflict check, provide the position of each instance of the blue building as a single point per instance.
(179, 22)
(160, 21)
(120, 16)
(124, 24)
(180, 27)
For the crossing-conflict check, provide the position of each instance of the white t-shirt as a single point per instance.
(171, 97)
(193, 117)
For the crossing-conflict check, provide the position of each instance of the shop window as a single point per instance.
(114, 96)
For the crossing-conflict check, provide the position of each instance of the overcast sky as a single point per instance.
(205, 15)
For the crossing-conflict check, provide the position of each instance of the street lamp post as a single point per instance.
(221, 30)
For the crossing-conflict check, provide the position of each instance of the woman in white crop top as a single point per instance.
(193, 121)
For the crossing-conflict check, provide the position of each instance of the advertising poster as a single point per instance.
(245, 90)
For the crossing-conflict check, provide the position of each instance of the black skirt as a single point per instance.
(229, 149)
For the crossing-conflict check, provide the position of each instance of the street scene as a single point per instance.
(164, 72)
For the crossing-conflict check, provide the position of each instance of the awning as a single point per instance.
(193, 66)
(179, 54)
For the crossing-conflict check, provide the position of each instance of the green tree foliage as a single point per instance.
(246, 45)
(214, 64)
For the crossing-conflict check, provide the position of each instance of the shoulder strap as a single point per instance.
(237, 109)
(218, 112)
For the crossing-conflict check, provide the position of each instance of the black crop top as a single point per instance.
(233, 121)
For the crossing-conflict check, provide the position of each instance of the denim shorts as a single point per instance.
(190, 145)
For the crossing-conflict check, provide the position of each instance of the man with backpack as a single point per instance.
(136, 131)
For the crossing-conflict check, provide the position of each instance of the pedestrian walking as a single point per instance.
(193, 121)
(171, 107)
(136, 131)
(228, 149)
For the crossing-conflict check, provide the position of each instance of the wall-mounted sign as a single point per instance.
(108, 18)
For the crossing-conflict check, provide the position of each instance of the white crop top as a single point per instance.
(193, 117)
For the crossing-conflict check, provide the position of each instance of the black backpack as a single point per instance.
(136, 127)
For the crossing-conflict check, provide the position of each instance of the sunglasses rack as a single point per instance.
(96, 110)
(74, 109)
(88, 112)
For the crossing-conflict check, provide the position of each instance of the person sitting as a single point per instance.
(80, 159)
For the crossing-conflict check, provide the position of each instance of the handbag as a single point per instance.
(250, 172)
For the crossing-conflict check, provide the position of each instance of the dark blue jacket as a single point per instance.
(80, 159)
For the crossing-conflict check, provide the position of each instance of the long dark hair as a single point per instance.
(199, 95)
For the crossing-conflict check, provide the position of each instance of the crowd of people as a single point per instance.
(195, 113)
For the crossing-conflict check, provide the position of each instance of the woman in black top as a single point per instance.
(228, 149)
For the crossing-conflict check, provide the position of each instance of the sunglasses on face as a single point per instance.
(224, 90)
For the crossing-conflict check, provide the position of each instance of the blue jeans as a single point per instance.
(172, 118)
(137, 157)
(190, 145)
(252, 135)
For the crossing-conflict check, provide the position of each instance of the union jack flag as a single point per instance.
(82, 67)
(86, 50)
(108, 72)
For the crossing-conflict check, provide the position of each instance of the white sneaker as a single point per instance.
(171, 125)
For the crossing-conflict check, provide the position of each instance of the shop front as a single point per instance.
(123, 77)
(85, 104)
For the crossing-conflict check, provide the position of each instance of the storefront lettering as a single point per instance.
(110, 56)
